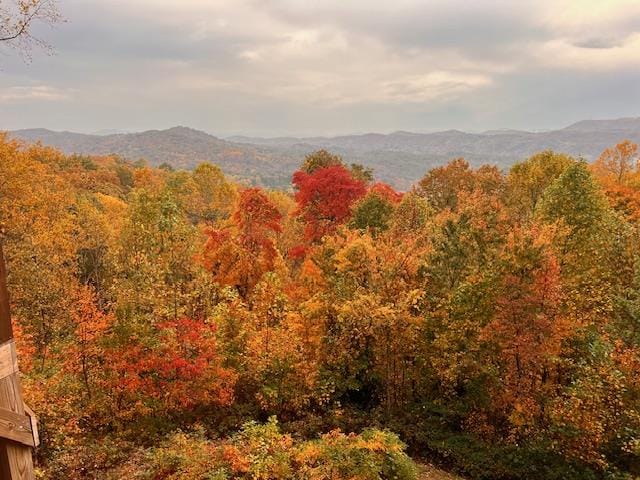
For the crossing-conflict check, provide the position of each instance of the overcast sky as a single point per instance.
(277, 67)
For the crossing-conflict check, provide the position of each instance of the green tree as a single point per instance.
(528, 180)
(372, 213)
(320, 159)
(590, 241)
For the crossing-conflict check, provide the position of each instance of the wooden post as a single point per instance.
(16, 462)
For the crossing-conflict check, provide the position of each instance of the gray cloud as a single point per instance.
(273, 67)
(483, 28)
(598, 43)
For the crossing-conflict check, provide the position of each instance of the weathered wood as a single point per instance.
(34, 425)
(15, 458)
(6, 332)
(16, 427)
(8, 359)
(16, 462)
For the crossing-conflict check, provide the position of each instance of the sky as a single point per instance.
(327, 67)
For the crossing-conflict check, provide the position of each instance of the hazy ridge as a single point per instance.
(399, 158)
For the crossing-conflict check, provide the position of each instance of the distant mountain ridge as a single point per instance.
(400, 158)
(619, 124)
(181, 147)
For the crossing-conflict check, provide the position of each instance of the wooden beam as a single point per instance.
(16, 427)
(16, 462)
(6, 332)
(8, 359)
(34, 425)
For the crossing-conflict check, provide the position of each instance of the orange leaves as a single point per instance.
(505, 310)
(386, 192)
(528, 327)
(239, 254)
(618, 170)
(263, 452)
(85, 353)
(442, 186)
(256, 217)
(618, 163)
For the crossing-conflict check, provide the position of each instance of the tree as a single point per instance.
(362, 173)
(372, 213)
(460, 287)
(37, 223)
(528, 180)
(154, 275)
(618, 172)
(239, 254)
(325, 198)
(411, 215)
(174, 368)
(279, 359)
(619, 162)
(386, 192)
(320, 159)
(589, 240)
(214, 197)
(85, 353)
(256, 218)
(442, 186)
(527, 331)
(323, 159)
(17, 19)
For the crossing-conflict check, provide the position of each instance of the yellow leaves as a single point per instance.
(356, 257)
(113, 209)
(33, 199)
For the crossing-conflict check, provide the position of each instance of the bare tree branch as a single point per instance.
(17, 18)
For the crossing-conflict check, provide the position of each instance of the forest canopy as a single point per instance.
(175, 324)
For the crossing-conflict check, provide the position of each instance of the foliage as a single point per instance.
(241, 254)
(442, 186)
(325, 197)
(373, 213)
(491, 320)
(261, 451)
(528, 180)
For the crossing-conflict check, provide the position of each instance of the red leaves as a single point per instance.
(386, 191)
(325, 198)
(298, 252)
(180, 368)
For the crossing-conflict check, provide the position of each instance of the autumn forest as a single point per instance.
(177, 325)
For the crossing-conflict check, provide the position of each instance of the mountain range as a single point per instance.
(400, 158)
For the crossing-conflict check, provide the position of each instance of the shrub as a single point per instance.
(263, 452)
(372, 455)
(183, 456)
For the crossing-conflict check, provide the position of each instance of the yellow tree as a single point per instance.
(618, 172)
(527, 181)
(36, 217)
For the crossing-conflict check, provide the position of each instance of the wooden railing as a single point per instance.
(18, 426)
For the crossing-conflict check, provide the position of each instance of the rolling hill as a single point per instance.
(399, 158)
